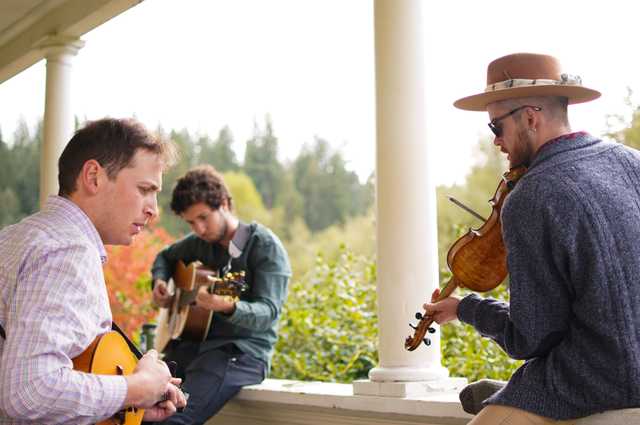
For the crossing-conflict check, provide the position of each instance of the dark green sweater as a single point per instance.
(571, 228)
(253, 325)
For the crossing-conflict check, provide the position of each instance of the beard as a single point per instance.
(523, 151)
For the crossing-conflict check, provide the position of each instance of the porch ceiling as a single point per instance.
(24, 24)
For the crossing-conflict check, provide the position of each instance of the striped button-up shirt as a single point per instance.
(53, 304)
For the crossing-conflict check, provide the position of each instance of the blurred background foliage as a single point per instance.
(328, 328)
(325, 216)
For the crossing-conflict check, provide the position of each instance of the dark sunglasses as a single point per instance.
(495, 125)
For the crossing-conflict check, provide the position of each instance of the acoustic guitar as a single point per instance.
(112, 354)
(183, 318)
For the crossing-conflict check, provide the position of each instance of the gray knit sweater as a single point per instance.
(571, 228)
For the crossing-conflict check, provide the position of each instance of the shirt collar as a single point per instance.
(70, 211)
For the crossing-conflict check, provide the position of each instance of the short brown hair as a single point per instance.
(553, 107)
(201, 184)
(113, 143)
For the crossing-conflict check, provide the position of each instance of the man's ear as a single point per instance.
(90, 176)
(533, 119)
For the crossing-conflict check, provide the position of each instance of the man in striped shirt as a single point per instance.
(53, 298)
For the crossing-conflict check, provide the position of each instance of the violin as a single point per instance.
(477, 260)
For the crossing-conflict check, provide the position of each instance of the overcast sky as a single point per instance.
(203, 64)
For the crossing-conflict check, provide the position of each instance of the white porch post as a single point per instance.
(405, 202)
(58, 115)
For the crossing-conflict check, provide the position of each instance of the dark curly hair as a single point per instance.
(201, 184)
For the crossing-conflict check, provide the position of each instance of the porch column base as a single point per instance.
(408, 373)
(408, 389)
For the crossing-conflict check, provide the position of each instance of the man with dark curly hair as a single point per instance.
(238, 347)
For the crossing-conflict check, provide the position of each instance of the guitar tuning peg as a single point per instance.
(427, 341)
(412, 327)
(432, 330)
(419, 316)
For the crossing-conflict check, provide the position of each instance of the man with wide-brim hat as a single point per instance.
(570, 227)
(532, 85)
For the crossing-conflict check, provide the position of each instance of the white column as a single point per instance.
(406, 205)
(58, 116)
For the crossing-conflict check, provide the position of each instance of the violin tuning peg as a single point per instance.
(432, 330)
(412, 327)
(427, 341)
(419, 316)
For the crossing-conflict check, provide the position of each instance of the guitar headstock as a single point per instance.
(231, 284)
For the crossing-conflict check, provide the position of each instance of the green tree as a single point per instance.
(9, 207)
(290, 207)
(623, 129)
(262, 165)
(247, 203)
(331, 193)
(218, 152)
(20, 173)
(358, 233)
(6, 171)
(25, 169)
(186, 159)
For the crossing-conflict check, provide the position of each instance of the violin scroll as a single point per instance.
(424, 326)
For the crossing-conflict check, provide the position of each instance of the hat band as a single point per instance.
(565, 80)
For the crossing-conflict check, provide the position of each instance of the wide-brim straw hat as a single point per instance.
(525, 75)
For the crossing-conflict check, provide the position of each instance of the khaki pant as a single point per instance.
(504, 415)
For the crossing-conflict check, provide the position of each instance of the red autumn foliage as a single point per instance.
(128, 276)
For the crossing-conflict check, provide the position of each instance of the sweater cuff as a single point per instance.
(467, 308)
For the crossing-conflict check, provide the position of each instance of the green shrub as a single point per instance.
(465, 353)
(329, 328)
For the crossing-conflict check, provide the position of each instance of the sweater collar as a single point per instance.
(566, 142)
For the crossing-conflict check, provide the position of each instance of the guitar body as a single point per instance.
(183, 319)
(109, 354)
(163, 331)
(196, 324)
